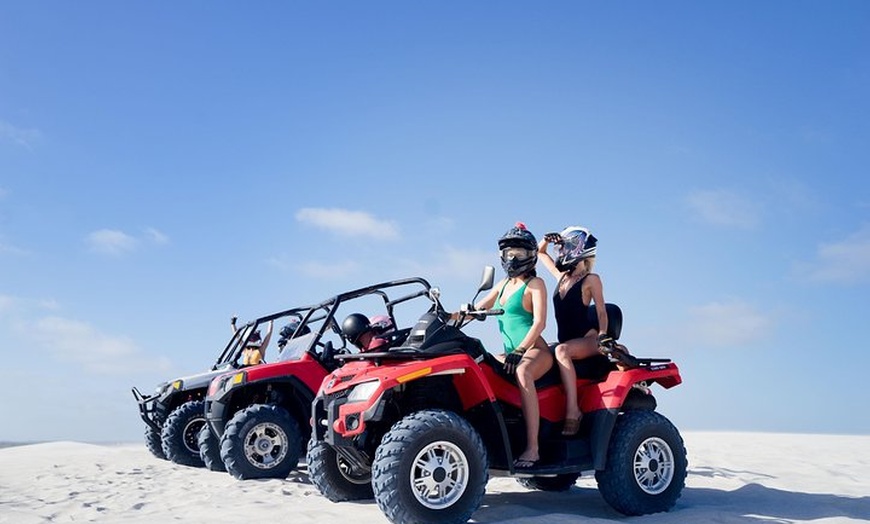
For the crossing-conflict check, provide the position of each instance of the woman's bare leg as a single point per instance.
(566, 353)
(535, 363)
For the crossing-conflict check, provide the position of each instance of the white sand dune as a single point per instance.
(733, 478)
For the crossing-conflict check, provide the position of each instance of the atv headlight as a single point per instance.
(235, 380)
(363, 392)
(177, 385)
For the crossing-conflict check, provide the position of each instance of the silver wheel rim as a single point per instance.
(653, 466)
(439, 475)
(190, 434)
(266, 445)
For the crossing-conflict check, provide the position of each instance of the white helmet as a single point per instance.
(576, 244)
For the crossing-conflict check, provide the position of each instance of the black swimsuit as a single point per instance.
(572, 318)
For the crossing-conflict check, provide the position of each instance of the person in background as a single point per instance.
(255, 347)
(365, 334)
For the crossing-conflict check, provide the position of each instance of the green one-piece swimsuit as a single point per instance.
(516, 322)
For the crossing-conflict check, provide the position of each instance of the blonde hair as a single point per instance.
(588, 263)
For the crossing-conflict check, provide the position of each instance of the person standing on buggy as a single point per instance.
(523, 297)
(255, 347)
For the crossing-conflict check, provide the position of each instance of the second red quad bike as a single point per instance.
(422, 425)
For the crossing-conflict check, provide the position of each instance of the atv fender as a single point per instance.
(603, 422)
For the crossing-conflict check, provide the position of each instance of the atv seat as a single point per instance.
(614, 319)
(595, 368)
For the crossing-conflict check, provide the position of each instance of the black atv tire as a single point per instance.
(180, 432)
(646, 464)
(561, 482)
(261, 441)
(154, 443)
(332, 477)
(210, 449)
(409, 476)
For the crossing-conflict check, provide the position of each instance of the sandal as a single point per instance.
(525, 463)
(572, 426)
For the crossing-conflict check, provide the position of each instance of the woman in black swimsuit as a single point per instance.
(577, 288)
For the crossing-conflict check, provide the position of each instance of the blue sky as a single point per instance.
(164, 166)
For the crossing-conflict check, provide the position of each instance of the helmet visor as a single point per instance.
(572, 244)
(516, 253)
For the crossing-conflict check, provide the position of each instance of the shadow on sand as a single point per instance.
(750, 503)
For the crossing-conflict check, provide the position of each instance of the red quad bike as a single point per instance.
(173, 414)
(259, 417)
(428, 420)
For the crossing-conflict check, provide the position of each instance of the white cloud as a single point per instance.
(349, 223)
(722, 207)
(18, 136)
(733, 323)
(79, 342)
(155, 236)
(111, 242)
(34, 322)
(115, 242)
(846, 261)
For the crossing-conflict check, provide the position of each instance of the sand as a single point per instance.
(733, 477)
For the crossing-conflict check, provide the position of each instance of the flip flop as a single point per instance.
(572, 426)
(525, 463)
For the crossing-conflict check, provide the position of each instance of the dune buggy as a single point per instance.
(260, 416)
(174, 413)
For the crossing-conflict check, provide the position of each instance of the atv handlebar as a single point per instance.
(468, 313)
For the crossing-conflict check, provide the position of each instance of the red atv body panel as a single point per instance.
(307, 369)
(477, 383)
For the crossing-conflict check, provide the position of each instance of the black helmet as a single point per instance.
(577, 244)
(254, 341)
(288, 330)
(354, 326)
(518, 249)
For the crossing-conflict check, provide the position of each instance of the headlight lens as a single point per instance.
(177, 385)
(235, 380)
(364, 391)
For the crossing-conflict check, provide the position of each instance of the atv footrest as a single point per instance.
(562, 456)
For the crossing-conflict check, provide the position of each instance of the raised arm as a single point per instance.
(545, 258)
(267, 337)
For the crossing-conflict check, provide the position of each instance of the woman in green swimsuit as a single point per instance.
(523, 296)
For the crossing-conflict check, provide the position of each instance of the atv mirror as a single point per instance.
(486, 280)
(435, 294)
